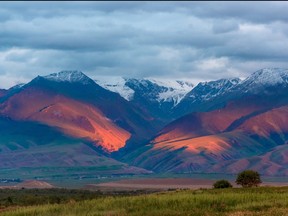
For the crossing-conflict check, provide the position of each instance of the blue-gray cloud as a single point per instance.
(196, 40)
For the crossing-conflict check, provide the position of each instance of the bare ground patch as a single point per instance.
(153, 183)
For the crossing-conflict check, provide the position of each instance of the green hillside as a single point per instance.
(253, 201)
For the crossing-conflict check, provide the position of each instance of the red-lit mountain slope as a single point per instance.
(30, 149)
(267, 128)
(271, 163)
(207, 123)
(72, 117)
(214, 138)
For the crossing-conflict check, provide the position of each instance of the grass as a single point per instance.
(238, 201)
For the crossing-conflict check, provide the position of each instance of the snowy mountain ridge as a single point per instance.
(161, 90)
(254, 83)
(264, 78)
(174, 91)
(117, 85)
(206, 91)
(69, 76)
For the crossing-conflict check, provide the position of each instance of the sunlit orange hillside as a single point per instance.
(74, 118)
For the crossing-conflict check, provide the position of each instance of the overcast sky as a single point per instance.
(193, 40)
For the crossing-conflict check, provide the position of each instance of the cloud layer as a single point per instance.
(193, 40)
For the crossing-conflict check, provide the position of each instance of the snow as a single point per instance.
(69, 76)
(175, 90)
(263, 78)
(268, 76)
(168, 90)
(116, 84)
(205, 91)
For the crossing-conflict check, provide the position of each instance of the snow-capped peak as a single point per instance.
(117, 85)
(268, 76)
(161, 90)
(261, 79)
(175, 90)
(205, 91)
(221, 82)
(69, 76)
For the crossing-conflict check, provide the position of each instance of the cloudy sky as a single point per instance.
(193, 40)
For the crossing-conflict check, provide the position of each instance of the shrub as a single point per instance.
(222, 184)
(248, 178)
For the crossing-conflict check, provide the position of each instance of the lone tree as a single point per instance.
(248, 178)
(222, 184)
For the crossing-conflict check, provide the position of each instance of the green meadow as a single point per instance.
(260, 201)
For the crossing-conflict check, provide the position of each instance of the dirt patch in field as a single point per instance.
(34, 184)
(30, 184)
(153, 183)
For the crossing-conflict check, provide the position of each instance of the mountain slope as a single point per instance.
(75, 119)
(266, 128)
(271, 163)
(203, 97)
(238, 124)
(74, 103)
(214, 95)
(213, 122)
(201, 153)
(3, 92)
(32, 146)
(250, 124)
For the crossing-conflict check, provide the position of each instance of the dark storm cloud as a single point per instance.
(197, 40)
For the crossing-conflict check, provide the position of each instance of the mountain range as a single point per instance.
(128, 125)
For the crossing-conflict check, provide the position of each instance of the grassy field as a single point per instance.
(261, 201)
